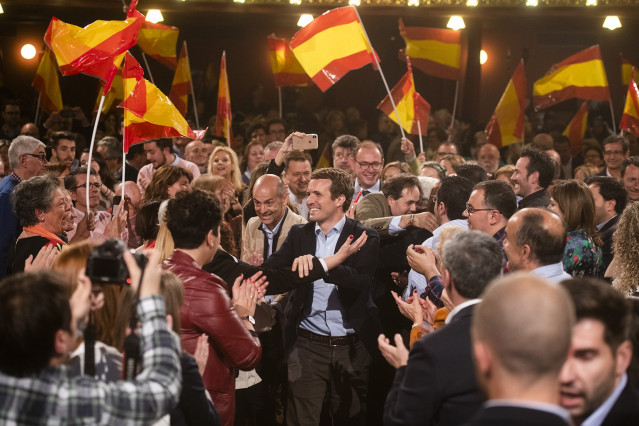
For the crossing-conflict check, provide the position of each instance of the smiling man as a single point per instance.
(63, 144)
(533, 174)
(158, 153)
(369, 161)
(594, 385)
(630, 177)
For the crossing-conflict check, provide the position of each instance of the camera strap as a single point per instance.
(132, 356)
(89, 347)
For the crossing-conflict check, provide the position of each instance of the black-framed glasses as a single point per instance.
(375, 166)
(41, 157)
(470, 209)
(95, 185)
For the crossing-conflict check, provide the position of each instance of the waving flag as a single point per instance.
(46, 82)
(626, 71)
(224, 116)
(287, 71)
(332, 45)
(576, 129)
(181, 87)
(580, 76)
(434, 51)
(159, 42)
(97, 49)
(630, 117)
(506, 126)
(148, 113)
(114, 96)
(411, 107)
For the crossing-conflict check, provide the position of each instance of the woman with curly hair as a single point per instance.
(574, 203)
(625, 244)
(166, 182)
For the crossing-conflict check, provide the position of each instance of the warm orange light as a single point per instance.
(28, 51)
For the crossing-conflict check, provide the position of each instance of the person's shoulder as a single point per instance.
(295, 218)
(252, 224)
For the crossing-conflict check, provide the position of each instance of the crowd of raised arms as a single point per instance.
(373, 280)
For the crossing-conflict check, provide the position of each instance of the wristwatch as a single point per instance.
(249, 319)
(411, 219)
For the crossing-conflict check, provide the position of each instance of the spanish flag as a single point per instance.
(224, 117)
(148, 113)
(181, 87)
(114, 96)
(97, 49)
(411, 107)
(576, 129)
(630, 117)
(580, 76)
(46, 82)
(332, 45)
(287, 71)
(159, 42)
(626, 71)
(434, 51)
(506, 126)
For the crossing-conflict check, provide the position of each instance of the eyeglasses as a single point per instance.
(95, 185)
(470, 209)
(614, 152)
(41, 157)
(374, 166)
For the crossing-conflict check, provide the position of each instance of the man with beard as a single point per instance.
(158, 153)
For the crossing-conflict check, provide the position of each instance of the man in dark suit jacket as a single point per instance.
(594, 384)
(332, 324)
(518, 367)
(436, 384)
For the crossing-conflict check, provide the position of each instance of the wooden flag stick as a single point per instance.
(197, 119)
(452, 120)
(379, 68)
(279, 95)
(148, 68)
(612, 116)
(37, 108)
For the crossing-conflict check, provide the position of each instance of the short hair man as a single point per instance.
(488, 157)
(266, 232)
(444, 149)
(329, 342)
(30, 129)
(197, 153)
(423, 391)
(111, 150)
(276, 130)
(568, 163)
(594, 386)
(488, 209)
(63, 143)
(297, 171)
(132, 198)
(610, 200)
(343, 148)
(135, 160)
(158, 153)
(473, 172)
(11, 117)
(535, 242)
(533, 174)
(543, 141)
(630, 177)
(615, 150)
(27, 157)
(37, 321)
(518, 367)
(369, 161)
(257, 132)
(271, 150)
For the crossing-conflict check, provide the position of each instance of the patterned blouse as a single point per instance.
(582, 258)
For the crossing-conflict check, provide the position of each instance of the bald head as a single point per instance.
(132, 191)
(269, 198)
(488, 157)
(30, 129)
(534, 237)
(272, 183)
(543, 142)
(525, 323)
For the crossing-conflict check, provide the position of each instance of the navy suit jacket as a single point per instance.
(353, 279)
(520, 416)
(625, 412)
(438, 385)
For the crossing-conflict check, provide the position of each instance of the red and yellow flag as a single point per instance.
(576, 129)
(46, 82)
(181, 87)
(159, 42)
(114, 96)
(580, 76)
(413, 110)
(434, 51)
(148, 113)
(506, 126)
(97, 49)
(332, 45)
(630, 117)
(224, 117)
(626, 71)
(287, 71)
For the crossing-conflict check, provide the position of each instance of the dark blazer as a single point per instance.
(625, 412)
(540, 198)
(353, 279)
(520, 416)
(438, 385)
(606, 235)
(194, 407)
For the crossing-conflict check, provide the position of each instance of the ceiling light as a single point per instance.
(612, 23)
(591, 2)
(28, 51)
(238, 1)
(296, 2)
(456, 23)
(532, 3)
(483, 56)
(1, 9)
(472, 3)
(154, 15)
(304, 20)
(354, 2)
(413, 3)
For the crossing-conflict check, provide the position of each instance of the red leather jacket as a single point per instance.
(208, 309)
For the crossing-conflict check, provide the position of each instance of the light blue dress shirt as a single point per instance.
(554, 273)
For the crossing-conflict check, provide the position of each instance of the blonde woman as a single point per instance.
(223, 162)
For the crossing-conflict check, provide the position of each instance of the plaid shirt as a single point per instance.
(52, 397)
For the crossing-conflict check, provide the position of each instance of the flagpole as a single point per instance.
(123, 166)
(279, 94)
(148, 68)
(421, 141)
(452, 121)
(95, 129)
(612, 116)
(228, 104)
(379, 68)
(197, 119)
(37, 108)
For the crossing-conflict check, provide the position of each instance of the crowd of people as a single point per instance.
(361, 283)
